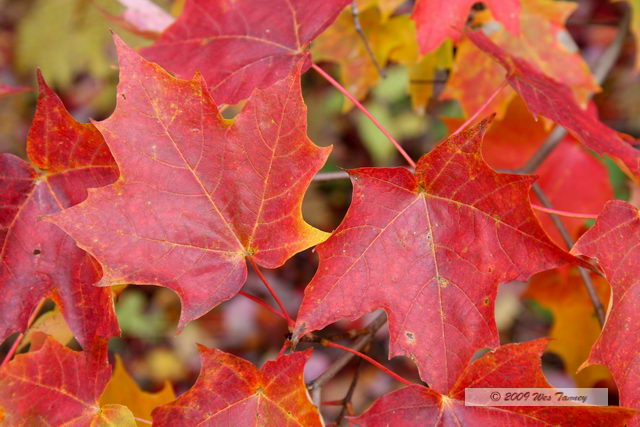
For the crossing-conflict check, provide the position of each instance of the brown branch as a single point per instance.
(584, 274)
(346, 402)
(426, 81)
(330, 176)
(600, 72)
(316, 385)
(363, 36)
(338, 176)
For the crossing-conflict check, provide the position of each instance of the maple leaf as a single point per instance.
(232, 390)
(554, 53)
(575, 328)
(573, 179)
(614, 241)
(511, 365)
(439, 20)
(65, 395)
(197, 193)
(12, 90)
(38, 259)
(123, 390)
(430, 249)
(240, 45)
(554, 100)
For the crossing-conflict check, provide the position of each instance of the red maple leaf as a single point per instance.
(614, 241)
(438, 20)
(431, 249)
(57, 386)
(231, 390)
(554, 100)
(38, 259)
(197, 193)
(240, 45)
(509, 366)
(574, 180)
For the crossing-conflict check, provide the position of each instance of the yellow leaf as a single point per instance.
(575, 326)
(392, 39)
(49, 324)
(423, 73)
(386, 7)
(123, 390)
(113, 416)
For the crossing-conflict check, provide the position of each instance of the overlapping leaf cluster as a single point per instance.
(168, 192)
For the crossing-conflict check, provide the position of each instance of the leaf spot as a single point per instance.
(37, 251)
(411, 339)
(442, 282)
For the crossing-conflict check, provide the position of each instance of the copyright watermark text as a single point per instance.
(536, 396)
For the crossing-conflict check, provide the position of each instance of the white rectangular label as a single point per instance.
(536, 396)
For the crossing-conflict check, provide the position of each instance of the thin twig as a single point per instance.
(13, 348)
(363, 37)
(610, 56)
(481, 109)
(554, 218)
(338, 176)
(366, 112)
(374, 362)
(20, 336)
(346, 402)
(330, 176)
(550, 144)
(272, 292)
(142, 420)
(333, 402)
(563, 213)
(584, 274)
(347, 335)
(337, 365)
(600, 71)
(426, 81)
(261, 303)
(284, 348)
(316, 395)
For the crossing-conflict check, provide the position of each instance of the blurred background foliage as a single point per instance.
(69, 41)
